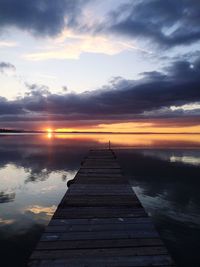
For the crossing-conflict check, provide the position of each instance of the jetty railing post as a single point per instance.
(109, 145)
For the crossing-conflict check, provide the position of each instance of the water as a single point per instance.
(167, 183)
(163, 169)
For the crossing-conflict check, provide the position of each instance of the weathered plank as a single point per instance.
(104, 176)
(101, 243)
(117, 261)
(100, 166)
(99, 180)
(93, 189)
(100, 161)
(99, 212)
(100, 200)
(99, 227)
(112, 221)
(110, 252)
(99, 171)
(147, 233)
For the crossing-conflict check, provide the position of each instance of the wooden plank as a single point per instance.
(101, 161)
(99, 180)
(147, 233)
(99, 227)
(100, 200)
(100, 221)
(67, 215)
(101, 187)
(100, 157)
(102, 252)
(117, 261)
(115, 199)
(98, 212)
(90, 189)
(100, 194)
(106, 165)
(105, 209)
(107, 175)
(108, 243)
(100, 171)
(100, 166)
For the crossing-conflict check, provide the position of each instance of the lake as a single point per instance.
(164, 171)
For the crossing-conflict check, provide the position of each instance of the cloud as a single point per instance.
(5, 66)
(6, 222)
(41, 17)
(71, 45)
(153, 96)
(8, 44)
(8, 107)
(35, 90)
(168, 23)
(40, 209)
(6, 197)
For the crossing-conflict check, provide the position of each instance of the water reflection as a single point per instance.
(34, 170)
(133, 140)
(6, 197)
(33, 178)
(169, 190)
(186, 159)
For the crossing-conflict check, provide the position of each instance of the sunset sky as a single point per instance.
(100, 65)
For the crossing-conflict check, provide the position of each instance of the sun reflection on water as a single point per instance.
(130, 140)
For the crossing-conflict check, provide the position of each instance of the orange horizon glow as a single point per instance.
(49, 130)
(130, 127)
(136, 140)
(158, 138)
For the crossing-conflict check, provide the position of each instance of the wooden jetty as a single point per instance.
(100, 222)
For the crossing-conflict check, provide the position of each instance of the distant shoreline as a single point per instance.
(79, 132)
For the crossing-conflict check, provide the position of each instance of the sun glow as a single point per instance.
(49, 130)
(135, 140)
(49, 133)
(133, 127)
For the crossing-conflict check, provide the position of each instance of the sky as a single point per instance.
(100, 65)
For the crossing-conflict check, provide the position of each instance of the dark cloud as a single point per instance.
(5, 66)
(43, 17)
(121, 100)
(6, 197)
(35, 90)
(167, 23)
(10, 107)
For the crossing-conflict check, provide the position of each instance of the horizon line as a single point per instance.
(87, 132)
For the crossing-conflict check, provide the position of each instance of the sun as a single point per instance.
(49, 130)
(49, 133)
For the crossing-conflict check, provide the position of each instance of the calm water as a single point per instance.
(163, 169)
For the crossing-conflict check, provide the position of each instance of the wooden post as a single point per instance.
(109, 145)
